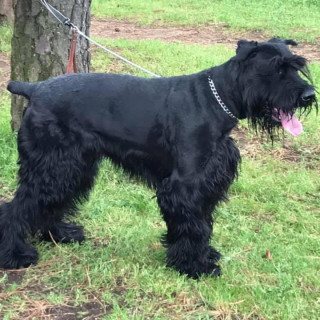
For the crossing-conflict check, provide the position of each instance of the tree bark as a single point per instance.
(41, 44)
(6, 11)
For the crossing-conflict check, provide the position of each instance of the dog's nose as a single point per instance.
(308, 94)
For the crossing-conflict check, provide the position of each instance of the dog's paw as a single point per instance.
(64, 233)
(216, 271)
(213, 255)
(196, 269)
(194, 263)
(18, 257)
(210, 269)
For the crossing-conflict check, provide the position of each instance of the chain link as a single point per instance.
(221, 103)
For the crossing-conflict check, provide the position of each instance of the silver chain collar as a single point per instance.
(222, 105)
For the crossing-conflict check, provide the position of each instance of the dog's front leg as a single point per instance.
(187, 213)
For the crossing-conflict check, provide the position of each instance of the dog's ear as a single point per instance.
(244, 44)
(283, 41)
(246, 48)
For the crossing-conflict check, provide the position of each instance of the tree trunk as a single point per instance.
(6, 11)
(41, 44)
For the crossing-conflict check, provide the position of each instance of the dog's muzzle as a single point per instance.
(308, 95)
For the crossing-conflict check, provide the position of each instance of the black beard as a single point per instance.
(267, 122)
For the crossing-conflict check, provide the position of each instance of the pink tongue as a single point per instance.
(291, 124)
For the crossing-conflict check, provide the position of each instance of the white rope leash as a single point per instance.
(66, 21)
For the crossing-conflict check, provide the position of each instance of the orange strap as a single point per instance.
(72, 54)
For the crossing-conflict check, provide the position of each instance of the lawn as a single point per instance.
(120, 273)
(299, 19)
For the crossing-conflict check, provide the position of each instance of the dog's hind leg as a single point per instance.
(52, 177)
(185, 211)
(66, 232)
(14, 251)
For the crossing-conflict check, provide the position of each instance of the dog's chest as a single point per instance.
(224, 160)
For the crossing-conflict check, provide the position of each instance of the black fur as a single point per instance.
(169, 131)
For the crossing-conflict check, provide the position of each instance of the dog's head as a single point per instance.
(275, 85)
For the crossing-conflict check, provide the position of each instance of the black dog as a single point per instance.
(173, 132)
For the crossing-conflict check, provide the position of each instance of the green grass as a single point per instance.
(299, 19)
(161, 58)
(5, 37)
(8, 157)
(273, 206)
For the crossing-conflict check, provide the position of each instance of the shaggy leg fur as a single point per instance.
(14, 252)
(68, 232)
(65, 233)
(188, 234)
(186, 202)
(213, 255)
(52, 177)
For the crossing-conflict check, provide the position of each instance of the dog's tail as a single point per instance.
(22, 88)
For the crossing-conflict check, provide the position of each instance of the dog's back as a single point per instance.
(103, 101)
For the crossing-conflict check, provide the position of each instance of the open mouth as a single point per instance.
(289, 122)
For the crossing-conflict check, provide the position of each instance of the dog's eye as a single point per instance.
(280, 71)
(252, 54)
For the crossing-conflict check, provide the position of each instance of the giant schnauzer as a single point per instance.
(173, 132)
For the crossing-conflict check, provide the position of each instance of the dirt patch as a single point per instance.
(15, 276)
(205, 35)
(249, 147)
(253, 146)
(239, 316)
(42, 309)
(87, 311)
(92, 310)
(309, 154)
